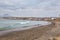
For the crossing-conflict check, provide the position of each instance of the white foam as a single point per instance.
(20, 24)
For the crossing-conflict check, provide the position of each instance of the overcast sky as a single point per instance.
(31, 8)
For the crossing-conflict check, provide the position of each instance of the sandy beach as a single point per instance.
(37, 33)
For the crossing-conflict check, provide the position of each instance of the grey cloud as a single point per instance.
(48, 7)
(30, 3)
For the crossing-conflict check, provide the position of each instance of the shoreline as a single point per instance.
(29, 34)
